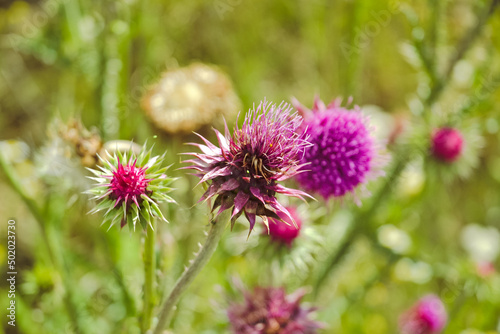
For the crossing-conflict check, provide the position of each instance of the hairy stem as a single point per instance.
(205, 253)
(149, 271)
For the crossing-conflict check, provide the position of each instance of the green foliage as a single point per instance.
(421, 64)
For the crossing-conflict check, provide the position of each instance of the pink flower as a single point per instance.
(127, 183)
(485, 269)
(447, 144)
(130, 189)
(343, 154)
(426, 317)
(285, 233)
(271, 311)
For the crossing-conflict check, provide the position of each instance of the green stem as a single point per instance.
(205, 253)
(56, 261)
(462, 48)
(149, 270)
(362, 218)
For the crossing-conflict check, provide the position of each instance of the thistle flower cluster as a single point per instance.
(344, 153)
(427, 316)
(270, 310)
(130, 189)
(244, 170)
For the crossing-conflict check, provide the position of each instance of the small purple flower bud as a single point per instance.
(447, 144)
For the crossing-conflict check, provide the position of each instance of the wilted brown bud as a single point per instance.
(186, 99)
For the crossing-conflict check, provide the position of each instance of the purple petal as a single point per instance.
(207, 150)
(240, 201)
(226, 204)
(290, 192)
(281, 209)
(256, 192)
(214, 173)
(250, 210)
(208, 143)
(211, 191)
(230, 184)
(223, 142)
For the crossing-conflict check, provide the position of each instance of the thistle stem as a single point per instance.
(205, 253)
(55, 257)
(149, 270)
(465, 44)
(362, 219)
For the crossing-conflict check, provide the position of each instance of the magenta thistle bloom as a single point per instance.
(426, 317)
(130, 189)
(285, 233)
(270, 310)
(447, 144)
(245, 169)
(343, 155)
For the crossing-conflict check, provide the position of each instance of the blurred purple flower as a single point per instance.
(245, 169)
(426, 317)
(343, 154)
(447, 144)
(285, 233)
(270, 310)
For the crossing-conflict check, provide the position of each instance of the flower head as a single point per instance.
(447, 144)
(270, 310)
(130, 189)
(188, 98)
(245, 170)
(426, 317)
(343, 155)
(285, 233)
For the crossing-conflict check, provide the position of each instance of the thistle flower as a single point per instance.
(130, 189)
(344, 153)
(447, 144)
(186, 99)
(454, 152)
(285, 233)
(270, 310)
(426, 317)
(245, 170)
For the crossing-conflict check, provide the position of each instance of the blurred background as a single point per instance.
(77, 75)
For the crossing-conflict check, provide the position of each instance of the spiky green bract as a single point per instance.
(130, 187)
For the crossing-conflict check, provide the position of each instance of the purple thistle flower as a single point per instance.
(270, 310)
(344, 153)
(245, 169)
(285, 233)
(447, 144)
(130, 189)
(426, 317)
